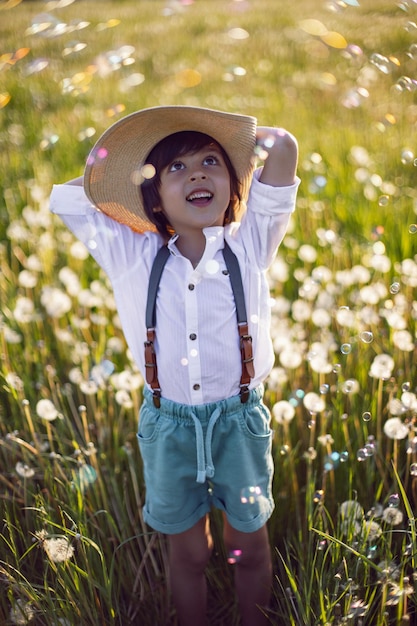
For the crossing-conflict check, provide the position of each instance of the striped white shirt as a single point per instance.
(197, 343)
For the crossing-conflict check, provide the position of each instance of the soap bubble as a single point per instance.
(250, 495)
(366, 336)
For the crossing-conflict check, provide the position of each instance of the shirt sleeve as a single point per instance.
(266, 219)
(115, 247)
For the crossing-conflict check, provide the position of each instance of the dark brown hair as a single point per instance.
(164, 153)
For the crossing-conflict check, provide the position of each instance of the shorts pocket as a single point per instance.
(255, 422)
(149, 425)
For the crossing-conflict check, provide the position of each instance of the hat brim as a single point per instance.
(113, 171)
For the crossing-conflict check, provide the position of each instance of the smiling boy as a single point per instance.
(204, 431)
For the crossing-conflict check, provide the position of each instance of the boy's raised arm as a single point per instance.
(281, 163)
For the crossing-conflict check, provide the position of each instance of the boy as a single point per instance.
(180, 177)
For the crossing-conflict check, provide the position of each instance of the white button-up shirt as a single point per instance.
(197, 341)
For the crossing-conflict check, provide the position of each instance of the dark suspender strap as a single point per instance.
(154, 280)
(235, 275)
(150, 356)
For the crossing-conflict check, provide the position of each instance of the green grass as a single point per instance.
(76, 482)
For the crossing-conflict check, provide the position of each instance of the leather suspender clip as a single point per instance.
(151, 369)
(248, 371)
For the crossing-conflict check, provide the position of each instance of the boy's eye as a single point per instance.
(210, 160)
(176, 166)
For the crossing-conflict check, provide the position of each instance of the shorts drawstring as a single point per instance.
(205, 466)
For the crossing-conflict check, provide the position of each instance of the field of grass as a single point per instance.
(341, 76)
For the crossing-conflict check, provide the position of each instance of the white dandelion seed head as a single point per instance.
(372, 531)
(58, 549)
(115, 345)
(14, 381)
(382, 366)
(392, 516)
(56, 302)
(24, 471)
(301, 311)
(290, 358)
(277, 378)
(24, 311)
(283, 412)
(313, 402)
(345, 317)
(321, 318)
(351, 509)
(409, 400)
(46, 410)
(21, 613)
(88, 387)
(396, 407)
(350, 386)
(394, 428)
(124, 399)
(27, 279)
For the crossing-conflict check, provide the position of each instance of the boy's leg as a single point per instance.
(189, 553)
(253, 572)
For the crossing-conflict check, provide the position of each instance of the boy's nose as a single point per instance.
(197, 175)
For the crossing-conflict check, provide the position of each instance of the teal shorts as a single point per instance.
(211, 455)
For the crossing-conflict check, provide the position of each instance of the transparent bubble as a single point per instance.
(395, 288)
(318, 496)
(328, 464)
(311, 424)
(413, 469)
(324, 388)
(369, 449)
(412, 229)
(383, 200)
(366, 416)
(394, 501)
(361, 455)
(284, 450)
(407, 156)
(406, 386)
(321, 545)
(337, 368)
(345, 348)
(250, 495)
(366, 336)
(344, 456)
(381, 62)
(234, 556)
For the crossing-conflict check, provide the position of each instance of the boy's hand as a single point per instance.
(280, 152)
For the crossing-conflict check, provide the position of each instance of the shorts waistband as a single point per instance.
(204, 412)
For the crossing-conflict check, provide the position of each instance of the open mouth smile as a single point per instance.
(199, 197)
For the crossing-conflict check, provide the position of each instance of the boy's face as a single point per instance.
(195, 190)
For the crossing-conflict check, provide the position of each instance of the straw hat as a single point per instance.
(114, 167)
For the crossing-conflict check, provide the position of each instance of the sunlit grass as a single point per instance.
(73, 545)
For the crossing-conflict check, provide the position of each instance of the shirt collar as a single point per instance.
(214, 241)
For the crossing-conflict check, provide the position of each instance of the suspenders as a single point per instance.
(232, 265)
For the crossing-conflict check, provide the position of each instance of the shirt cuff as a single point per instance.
(268, 199)
(70, 200)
